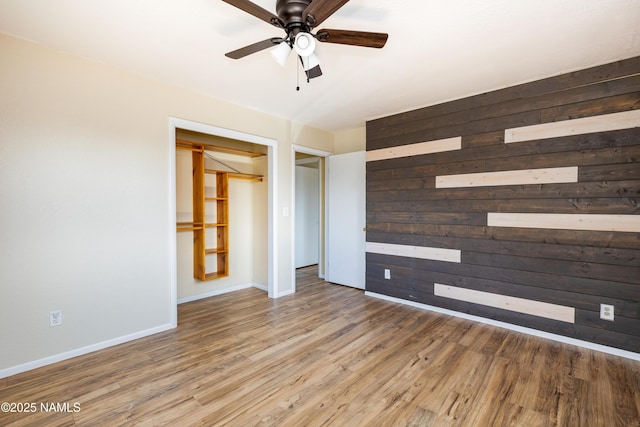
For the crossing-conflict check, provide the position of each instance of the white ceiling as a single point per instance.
(438, 50)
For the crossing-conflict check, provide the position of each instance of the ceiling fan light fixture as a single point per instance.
(304, 44)
(281, 52)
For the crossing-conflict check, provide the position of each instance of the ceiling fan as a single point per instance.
(298, 18)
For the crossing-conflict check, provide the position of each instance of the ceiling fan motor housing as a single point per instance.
(290, 12)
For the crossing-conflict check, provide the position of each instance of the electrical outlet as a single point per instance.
(606, 312)
(387, 274)
(55, 318)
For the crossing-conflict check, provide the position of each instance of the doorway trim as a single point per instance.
(314, 152)
(272, 217)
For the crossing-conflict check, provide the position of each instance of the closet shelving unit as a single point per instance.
(211, 211)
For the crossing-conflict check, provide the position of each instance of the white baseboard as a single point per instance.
(115, 341)
(81, 351)
(285, 293)
(221, 292)
(567, 340)
(261, 287)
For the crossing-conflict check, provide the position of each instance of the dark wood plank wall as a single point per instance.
(573, 268)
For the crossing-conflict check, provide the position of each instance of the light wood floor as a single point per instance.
(328, 355)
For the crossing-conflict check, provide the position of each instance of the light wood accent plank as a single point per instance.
(328, 355)
(519, 305)
(512, 177)
(422, 252)
(602, 123)
(585, 222)
(428, 147)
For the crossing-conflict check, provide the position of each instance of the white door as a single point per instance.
(346, 219)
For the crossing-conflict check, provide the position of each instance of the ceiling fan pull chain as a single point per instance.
(298, 76)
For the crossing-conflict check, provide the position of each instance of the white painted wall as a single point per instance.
(350, 140)
(85, 223)
(260, 209)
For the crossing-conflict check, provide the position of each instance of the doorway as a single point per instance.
(307, 208)
(309, 216)
(342, 216)
(176, 124)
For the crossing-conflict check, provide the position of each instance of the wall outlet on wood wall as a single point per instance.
(606, 312)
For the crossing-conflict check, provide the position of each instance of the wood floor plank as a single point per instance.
(328, 355)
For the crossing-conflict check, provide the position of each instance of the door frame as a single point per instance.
(272, 217)
(313, 152)
(300, 164)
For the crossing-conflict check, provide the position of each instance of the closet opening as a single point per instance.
(223, 211)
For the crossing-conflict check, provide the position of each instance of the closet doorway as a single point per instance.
(259, 248)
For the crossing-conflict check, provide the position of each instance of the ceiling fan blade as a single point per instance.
(253, 48)
(354, 38)
(319, 10)
(256, 11)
